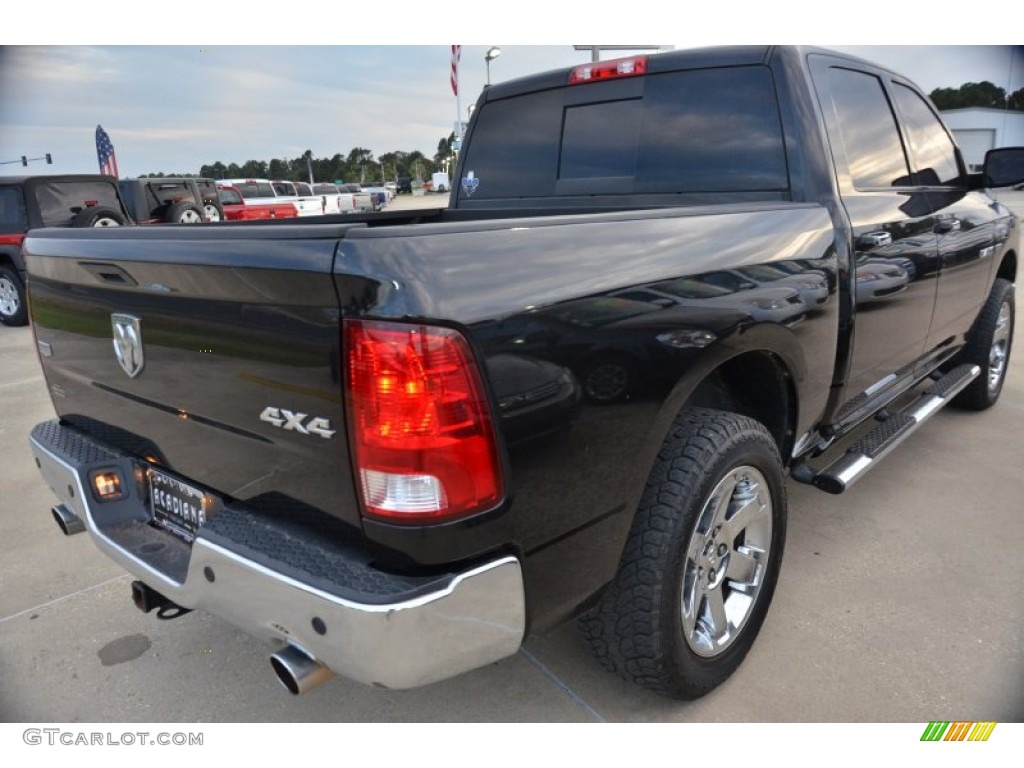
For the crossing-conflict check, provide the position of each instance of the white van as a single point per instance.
(440, 183)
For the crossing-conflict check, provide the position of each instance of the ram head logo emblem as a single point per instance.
(128, 343)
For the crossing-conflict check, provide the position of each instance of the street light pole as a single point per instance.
(492, 53)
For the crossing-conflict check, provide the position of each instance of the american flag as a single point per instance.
(105, 153)
(456, 54)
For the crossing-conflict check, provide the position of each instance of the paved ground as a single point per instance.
(899, 601)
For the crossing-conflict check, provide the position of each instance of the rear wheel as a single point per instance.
(98, 217)
(183, 213)
(12, 298)
(989, 347)
(213, 211)
(702, 559)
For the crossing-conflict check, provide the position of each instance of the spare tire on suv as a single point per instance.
(170, 200)
(98, 217)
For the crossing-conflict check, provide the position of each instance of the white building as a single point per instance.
(979, 129)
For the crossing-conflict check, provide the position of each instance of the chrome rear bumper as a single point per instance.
(409, 636)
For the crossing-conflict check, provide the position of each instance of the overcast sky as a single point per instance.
(173, 108)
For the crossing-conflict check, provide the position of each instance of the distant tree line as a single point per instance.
(359, 166)
(983, 94)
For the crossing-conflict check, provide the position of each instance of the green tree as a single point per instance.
(358, 164)
(445, 151)
(277, 169)
(983, 94)
(254, 169)
(394, 165)
(215, 170)
(1016, 100)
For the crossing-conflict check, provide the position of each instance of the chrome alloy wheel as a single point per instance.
(10, 303)
(726, 561)
(190, 216)
(106, 221)
(1000, 348)
(212, 212)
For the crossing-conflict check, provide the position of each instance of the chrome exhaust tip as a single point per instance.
(298, 671)
(69, 522)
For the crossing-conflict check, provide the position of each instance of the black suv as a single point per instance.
(31, 202)
(172, 200)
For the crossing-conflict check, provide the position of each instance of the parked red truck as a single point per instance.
(237, 208)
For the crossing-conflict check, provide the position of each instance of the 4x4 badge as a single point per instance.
(128, 343)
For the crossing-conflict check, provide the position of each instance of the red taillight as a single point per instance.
(608, 70)
(422, 438)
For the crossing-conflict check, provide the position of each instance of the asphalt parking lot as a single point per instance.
(899, 601)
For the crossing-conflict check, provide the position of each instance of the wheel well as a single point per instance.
(6, 260)
(755, 384)
(1008, 267)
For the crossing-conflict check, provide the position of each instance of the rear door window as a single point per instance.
(934, 153)
(869, 135)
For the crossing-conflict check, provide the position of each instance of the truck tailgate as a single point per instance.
(218, 344)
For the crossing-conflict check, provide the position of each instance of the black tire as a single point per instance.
(988, 347)
(183, 213)
(13, 309)
(662, 622)
(213, 211)
(98, 217)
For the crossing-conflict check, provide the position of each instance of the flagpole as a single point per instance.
(456, 57)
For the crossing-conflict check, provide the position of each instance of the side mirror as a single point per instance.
(1004, 167)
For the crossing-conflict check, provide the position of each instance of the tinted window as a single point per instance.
(171, 192)
(932, 149)
(255, 189)
(870, 138)
(12, 211)
(601, 140)
(60, 201)
(303, 189)
(229, 196)
(325, 189)
(715, 130)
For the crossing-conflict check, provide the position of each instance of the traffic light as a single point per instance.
(49, 161)
(24, 161)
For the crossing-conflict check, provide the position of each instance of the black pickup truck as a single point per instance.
(398, 444)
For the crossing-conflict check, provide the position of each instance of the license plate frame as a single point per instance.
(177, 505)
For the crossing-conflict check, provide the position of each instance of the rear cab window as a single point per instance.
(162, 194)
(229, 196)
(60, 201)
(712, 131)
